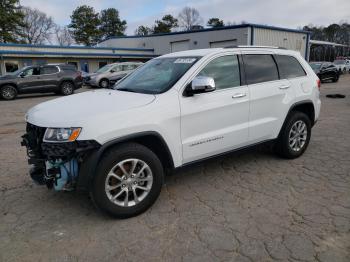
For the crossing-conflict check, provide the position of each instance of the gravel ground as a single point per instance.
(248, 206)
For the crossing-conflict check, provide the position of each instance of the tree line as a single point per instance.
(337, 33)
(20, 24)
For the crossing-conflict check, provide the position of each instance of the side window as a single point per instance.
(127, 67)
(224, 70)
(115, 68)
(31, 71)
(48, 70)
(290, 67)
(260, 68)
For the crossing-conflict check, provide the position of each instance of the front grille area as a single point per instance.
(67, 149)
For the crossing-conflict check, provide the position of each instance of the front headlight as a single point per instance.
(61, 134)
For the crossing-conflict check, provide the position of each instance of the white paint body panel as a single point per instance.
(193, 127)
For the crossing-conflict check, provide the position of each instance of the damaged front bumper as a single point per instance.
(56, 165)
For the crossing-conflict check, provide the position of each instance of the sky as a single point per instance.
(284, 13)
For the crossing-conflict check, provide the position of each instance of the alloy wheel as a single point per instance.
(128, 182)
(104, 83)
(67, 88)
(8, 92)
(298, 135)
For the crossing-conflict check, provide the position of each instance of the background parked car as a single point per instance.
(325, 71)
(103, 76)
(342, 65)
(59, 78)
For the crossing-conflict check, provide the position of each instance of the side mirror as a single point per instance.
(201, 84)
(112, 71)
(21, 74)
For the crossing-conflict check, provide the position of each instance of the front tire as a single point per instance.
(128, 181)
(295, 136)
(104, 83)
(8, 92)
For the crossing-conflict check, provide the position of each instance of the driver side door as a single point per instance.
(30, 80)
(217, 121)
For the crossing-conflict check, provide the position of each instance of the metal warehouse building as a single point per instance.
(245, 34)
(142, 48)
(88, 59)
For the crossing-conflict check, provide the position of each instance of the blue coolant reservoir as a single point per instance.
(69, 172)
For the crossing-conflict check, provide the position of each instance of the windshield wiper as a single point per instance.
(126, 89)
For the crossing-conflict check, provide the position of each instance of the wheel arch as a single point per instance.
(305, 106)
(150, 139)
(66, 80)
(9, 84)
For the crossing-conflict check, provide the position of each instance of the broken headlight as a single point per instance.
(61, 134)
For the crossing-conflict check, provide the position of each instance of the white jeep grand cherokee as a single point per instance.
(176, 109)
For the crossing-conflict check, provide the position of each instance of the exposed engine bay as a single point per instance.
(55, 165)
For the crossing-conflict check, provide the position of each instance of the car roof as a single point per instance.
(209, 51)
(125, 63)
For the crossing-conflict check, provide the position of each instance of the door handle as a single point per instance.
(285, 86)
(239, 95)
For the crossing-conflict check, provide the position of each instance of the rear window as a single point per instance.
(289, 67)
(68, 68)
(260, 68)
(47, 70)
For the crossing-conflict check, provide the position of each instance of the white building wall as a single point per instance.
(290, 40)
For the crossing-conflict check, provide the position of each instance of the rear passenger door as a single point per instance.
(270, 96)
(50, 78)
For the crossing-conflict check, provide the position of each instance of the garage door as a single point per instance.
(180, 46)
(224, 43)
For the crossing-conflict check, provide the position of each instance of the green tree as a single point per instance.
(84, 25)
(215, 22)
(11, 21)
(143, 30)
(165, 25)
(111, 24)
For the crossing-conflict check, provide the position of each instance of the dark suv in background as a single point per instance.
(59, 78)
(325, 71)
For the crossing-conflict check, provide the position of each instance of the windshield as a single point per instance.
(104, 68)
(339, 62)
(17, 72)
(157, 75)
(315, 66)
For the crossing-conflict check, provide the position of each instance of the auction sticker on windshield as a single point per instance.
(184, 60)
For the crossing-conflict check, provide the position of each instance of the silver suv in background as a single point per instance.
(109, 74)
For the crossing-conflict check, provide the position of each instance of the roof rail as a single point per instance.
(254, 46)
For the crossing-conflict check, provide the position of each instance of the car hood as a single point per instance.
(92, 74)
(75, 110)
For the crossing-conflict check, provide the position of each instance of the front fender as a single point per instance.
(88, 167)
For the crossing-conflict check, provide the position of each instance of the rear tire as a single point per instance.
(67, 88)
(122, 172)
(8, 92)
(294, 136)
